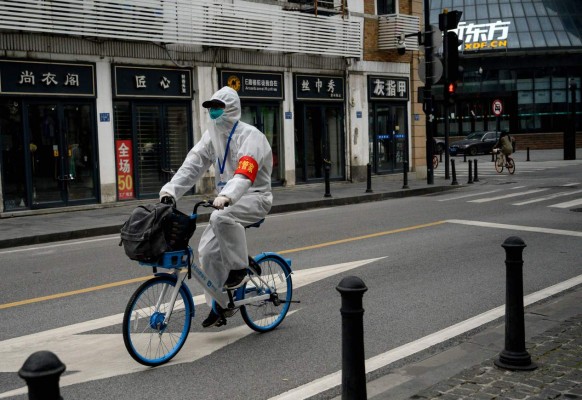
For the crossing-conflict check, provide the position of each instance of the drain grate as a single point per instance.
(576, 209)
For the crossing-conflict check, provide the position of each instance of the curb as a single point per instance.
(276, 209)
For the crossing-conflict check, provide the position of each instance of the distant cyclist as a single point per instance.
(504, 144)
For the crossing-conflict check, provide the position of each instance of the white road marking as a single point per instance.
(568, 204)
(97, 356)
(548, 197)
(469, 195)
(515, 227)
(506, 196)
(330, 381)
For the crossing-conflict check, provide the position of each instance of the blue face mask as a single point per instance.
(216, 112)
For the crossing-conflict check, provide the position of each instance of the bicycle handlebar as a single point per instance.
(205, 203)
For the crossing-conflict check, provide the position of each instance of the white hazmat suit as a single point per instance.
(243, 162)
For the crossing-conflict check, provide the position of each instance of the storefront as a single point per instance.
(319, 127)
(152, 117)
(47, 134)
(526, 53)
(261, 97)
(388, 123)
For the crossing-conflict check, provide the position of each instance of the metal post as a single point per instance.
(570, 131)
(454, 182)
(326, 168)
(514, 356)
(464, 157)
(405, 168)
(369, 178)
(352, 291)
(42, 371)
(428, 105)
(470, 173)
(527, 154)
(476, 178)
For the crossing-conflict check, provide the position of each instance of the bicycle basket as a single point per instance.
(178, 229)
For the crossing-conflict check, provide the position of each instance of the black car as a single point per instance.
(475, 143)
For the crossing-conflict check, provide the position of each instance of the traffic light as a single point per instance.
(451, 92)
(449, 20)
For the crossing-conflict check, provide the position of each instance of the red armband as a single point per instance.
(248, 167)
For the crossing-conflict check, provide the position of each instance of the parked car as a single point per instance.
(475, 143)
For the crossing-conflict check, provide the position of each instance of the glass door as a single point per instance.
(387, 137)
(61, 153)
(47, 164)
(80, 160)
(319, 141)
(266, 119)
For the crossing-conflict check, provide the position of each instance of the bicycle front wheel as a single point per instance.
(511, 166)
(499, 164)
(147, 338)
(266, 315)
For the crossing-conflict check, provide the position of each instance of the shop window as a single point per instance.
(12, 156)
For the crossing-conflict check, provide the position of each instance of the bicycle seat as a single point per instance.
(255, 224)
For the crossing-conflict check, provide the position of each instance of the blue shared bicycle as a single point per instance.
(158, 316)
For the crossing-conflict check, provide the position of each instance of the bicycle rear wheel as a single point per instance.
(147, 339)
(498, 164)
(266, 315)
(511, 166)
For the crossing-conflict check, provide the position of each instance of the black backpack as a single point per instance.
(153, 229)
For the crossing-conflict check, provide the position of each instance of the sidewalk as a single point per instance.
(41, 226)
(466, 370)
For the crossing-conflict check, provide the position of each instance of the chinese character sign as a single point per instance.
(152, 82)
(318, 87)
(387, 88)
(483, 36)
(48, 79)
(124, 157)
(254, 85)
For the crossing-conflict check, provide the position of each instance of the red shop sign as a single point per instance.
(124, 169)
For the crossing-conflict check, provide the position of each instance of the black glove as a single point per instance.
(168, 200)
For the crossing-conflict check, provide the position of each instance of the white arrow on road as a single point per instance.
(98, 356)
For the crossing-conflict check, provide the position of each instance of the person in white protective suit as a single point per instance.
(243, 162)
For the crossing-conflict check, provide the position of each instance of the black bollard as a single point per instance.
(42, 371)
(514, 356)
(352, 291)
(327, 168)
(476, 178)
(454, 182)
(441, 157)
(527, 154)
(464, 157)
(369, 178)
(492, 156)
(470, 172)
(405, 177)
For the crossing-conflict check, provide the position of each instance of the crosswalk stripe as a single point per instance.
(548, 197)
(568, 204)
(507, 196)
(469, 195)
